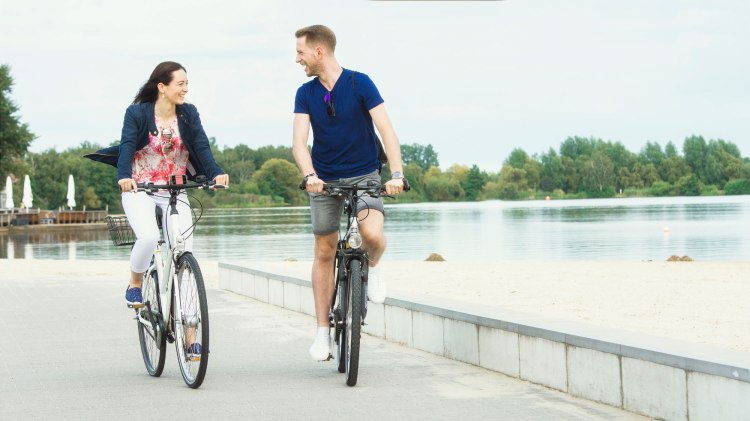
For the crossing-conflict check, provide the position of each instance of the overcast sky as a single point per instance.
(474, 79)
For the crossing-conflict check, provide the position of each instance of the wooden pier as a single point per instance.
(34, 217)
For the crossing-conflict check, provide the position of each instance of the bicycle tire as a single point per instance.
(339, 331)
(151, 325)
(353, 321)
(191, 327)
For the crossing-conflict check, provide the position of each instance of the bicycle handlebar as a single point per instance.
(373, 188)
(153, 188)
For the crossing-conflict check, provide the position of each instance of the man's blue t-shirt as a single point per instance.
(343, 145)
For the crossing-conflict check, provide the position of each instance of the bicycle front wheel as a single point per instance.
(353, 321)
(339, 321)
(190, 319)
(151, 325)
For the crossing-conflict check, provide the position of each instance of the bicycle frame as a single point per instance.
(345, 254)
(164, 264)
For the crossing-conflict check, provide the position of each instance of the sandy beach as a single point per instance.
(699, 302)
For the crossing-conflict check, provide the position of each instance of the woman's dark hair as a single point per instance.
(161, 74)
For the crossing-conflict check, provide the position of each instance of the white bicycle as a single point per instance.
(178, 312)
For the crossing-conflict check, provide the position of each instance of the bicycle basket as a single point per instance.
(120, 231)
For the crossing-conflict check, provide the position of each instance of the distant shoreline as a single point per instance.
(92, 226)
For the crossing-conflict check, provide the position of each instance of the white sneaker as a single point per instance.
(320, 350)
(376, 286)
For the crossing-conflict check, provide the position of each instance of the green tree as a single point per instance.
(442, 187)
(689, 185)
(572, 175)
(90, 199)
(660, 188)
(695, 150)
(280, 178)
(474, 182)
(575, 146)
(674, 168)
(15, 136)
(533, 173)
(651, 154)
(643, 175)
(599, 175)
(424, 156)
(517, 158)
(50, 177)
(266, 153)
(239, 162)
(512, 182)
(670, 150)
(737, 186)
(723, 162)
(552, 173)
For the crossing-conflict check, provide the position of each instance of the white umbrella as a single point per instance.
(71, 192)
(8, 194)
(27, 196)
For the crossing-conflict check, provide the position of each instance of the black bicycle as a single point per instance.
(178, 311)
(349, 302)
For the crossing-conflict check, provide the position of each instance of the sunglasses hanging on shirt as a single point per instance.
(330, 110)
(168, 144)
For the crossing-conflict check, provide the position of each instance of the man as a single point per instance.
(341, 107)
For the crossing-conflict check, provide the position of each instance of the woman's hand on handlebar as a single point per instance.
(127, 185)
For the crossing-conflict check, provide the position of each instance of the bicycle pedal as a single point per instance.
(136, 306)
(194, 358)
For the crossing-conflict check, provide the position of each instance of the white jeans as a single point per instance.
(140, 208)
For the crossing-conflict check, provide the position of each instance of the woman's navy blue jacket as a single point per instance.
(139, 121)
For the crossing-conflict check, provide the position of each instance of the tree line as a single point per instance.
(581, 168)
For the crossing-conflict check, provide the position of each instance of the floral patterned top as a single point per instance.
(162, 157)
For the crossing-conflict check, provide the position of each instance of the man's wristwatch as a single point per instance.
(397, 174)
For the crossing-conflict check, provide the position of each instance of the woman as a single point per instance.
(161, 136)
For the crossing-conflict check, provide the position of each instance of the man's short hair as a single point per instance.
(318, 34)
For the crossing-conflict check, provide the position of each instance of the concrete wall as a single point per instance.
(646, 375)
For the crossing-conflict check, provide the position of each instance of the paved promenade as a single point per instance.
(70, 351)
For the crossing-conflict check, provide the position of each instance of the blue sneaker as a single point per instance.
(133, 297)
(194, 351)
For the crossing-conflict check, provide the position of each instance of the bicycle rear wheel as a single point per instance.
(151, 325)
(353, 321)
(191, 323)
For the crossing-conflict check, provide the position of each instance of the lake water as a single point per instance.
(704, 228)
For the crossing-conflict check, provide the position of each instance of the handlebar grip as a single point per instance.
(303, 184)
(407, 186)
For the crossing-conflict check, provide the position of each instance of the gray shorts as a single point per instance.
(326, 210)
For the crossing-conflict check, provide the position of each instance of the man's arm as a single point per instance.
(392, 147)
(300, 133)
